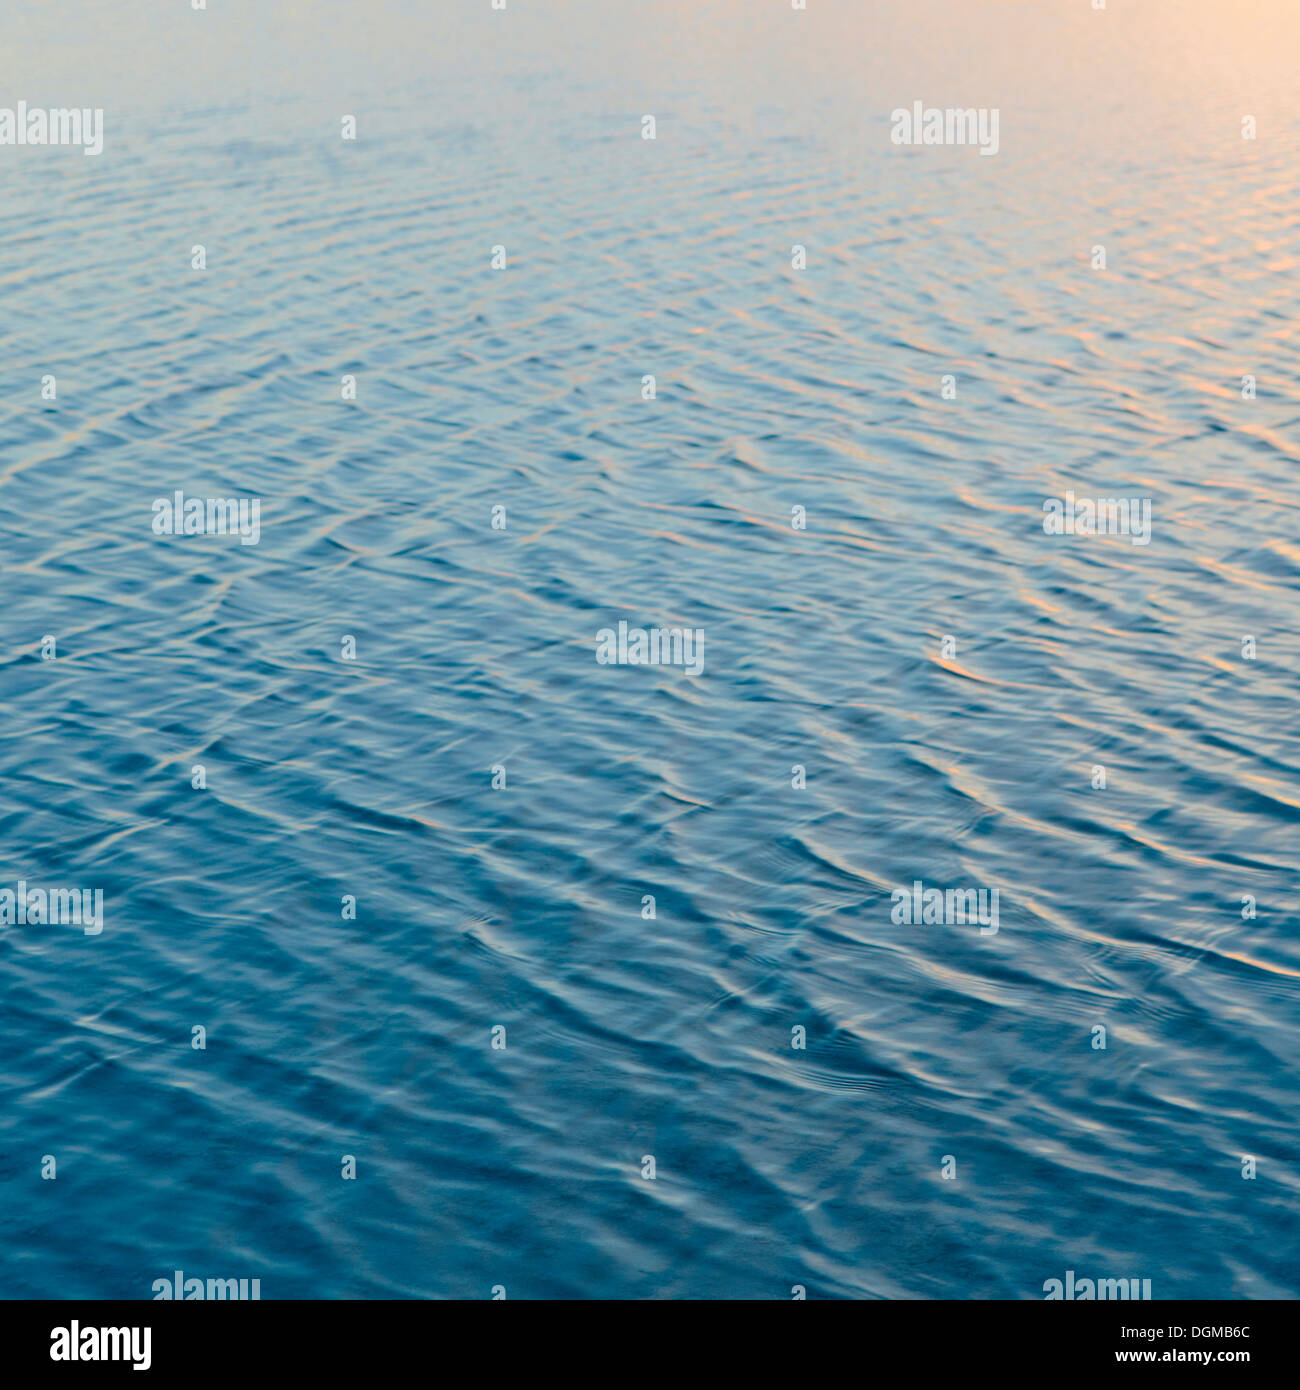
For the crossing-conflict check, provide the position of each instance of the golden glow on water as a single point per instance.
(747, 56)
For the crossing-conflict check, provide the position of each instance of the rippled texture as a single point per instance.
(521, 907)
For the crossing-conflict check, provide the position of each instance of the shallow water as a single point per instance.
(521, 907)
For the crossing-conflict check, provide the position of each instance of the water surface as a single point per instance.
(522, 907)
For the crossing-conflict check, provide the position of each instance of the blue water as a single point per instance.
(521, 907)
